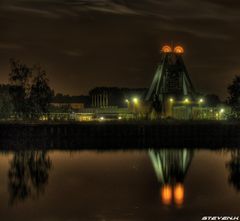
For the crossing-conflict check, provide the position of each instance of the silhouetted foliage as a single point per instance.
(234, 169)
(19, 78)
(29, 90)
(40, 94)
(234, 97)
(28, 175)
(20, 73)
(6, 105)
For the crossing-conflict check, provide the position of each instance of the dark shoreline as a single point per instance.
(119, 135)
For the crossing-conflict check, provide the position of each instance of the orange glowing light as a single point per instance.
(166, 194)
(178, 50)
(166, 49)
(179, 194)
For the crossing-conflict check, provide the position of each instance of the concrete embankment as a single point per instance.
(104, 135)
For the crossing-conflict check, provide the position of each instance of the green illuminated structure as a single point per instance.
(171, 166)
(171, 80)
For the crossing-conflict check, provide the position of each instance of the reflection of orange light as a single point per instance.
(179, 194)
(166, 194)
(178, 50)
(166, 49)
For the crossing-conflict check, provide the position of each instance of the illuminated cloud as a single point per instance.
(10, 46)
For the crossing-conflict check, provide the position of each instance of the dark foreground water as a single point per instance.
(163, 184)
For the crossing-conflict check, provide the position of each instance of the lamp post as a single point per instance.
(186, 101)
(221, 112)
(127, 102)
(200, 102)
(135, 101)
(171, 103)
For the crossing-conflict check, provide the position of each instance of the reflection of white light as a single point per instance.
(171, 100)
(119, 118)
(201, 100)
(127, 101)
(102, 118)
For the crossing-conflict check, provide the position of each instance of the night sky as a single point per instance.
(88, 43)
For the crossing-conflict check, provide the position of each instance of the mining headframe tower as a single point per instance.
(171, 82)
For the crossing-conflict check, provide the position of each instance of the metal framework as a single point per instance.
(170, 80)
(171, 166)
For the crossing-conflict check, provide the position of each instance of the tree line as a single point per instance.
(234, 98)
(28, 94)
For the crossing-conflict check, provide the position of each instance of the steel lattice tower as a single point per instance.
(171, 166)
(170, 80)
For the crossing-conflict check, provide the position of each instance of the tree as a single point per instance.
(234, 97)
(28, 175)
(234, 169)
(19, 78)
(40, 94)
(6, 106)
(29, 89)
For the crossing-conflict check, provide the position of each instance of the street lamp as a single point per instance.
(135, 100)
(186, 101)
(222, 111)
(171, 104)
(201, 100)
(127, 102)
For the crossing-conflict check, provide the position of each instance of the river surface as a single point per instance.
(160, 184)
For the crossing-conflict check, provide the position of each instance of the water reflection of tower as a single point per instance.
(171, 167)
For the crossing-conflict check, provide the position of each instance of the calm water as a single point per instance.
(177, 184)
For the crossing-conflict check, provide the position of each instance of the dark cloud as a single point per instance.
(85, 43)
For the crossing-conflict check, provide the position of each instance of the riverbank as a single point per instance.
(128, 134)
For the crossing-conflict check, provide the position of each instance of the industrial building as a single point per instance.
(170, 95)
